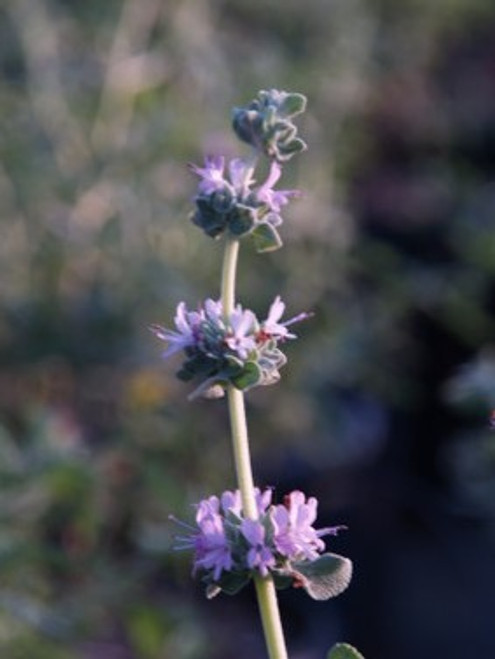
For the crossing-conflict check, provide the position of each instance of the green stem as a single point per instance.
(229, 271)
(240, 445)
(270, 618)
(265, 588)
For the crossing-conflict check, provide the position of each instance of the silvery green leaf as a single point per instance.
(207, 218)
(222, 200)
(326, 577)
(234, 366)
(344, 651)
(249, 376)
(293, 104)
(232, 582)
(288, 150)
(198, 364)
(270, 377)
(266, 238)
(241, 220)
(284, 132)
(281, 579)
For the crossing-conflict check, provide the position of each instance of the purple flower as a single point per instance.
(241, 337)
(259, 555)
(187, 324)
(212, 548)
(232, 201)
(225, 541)
(275, 199)
(272, 328)
(213, 311)
(211, 174)
(213, 179)
(294, 535)
(236, 348)
(194, 329)
(241, 176)
(232, 502)
(263, 500)
(212, 552)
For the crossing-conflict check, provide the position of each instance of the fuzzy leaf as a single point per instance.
(326, 577)
(286, 151)
(212, 222)
(241, 220)
(198, 364)
(344, 651)
(266, 238)
(232, 582)
(234, 366)
(281, 579)
(248, 377)
(292, 104)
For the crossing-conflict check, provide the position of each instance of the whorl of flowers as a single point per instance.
(232, 202)
(282, 541)
(239, 348)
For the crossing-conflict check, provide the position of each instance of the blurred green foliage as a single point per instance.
(102, 104)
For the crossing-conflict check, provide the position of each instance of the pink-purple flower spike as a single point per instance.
(232, 350)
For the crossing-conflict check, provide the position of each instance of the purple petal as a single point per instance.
(263, 499)
(231, 502)
(276, 311)
(211, 174)
(253, 531)
(237, 173)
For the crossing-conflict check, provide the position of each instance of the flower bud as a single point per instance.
(266, 123)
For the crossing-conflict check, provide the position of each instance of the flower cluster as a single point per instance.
(231, 202)
(238, 348)
(229, 548)
(266, 123)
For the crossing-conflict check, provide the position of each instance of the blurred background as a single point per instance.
(383, 411)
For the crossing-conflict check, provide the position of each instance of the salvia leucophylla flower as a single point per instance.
(266, 123)
(230, 201)
(282, 541)
(239, 348)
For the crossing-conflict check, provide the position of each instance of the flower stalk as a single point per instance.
(265, 588)
(242, 535)
(270, 617)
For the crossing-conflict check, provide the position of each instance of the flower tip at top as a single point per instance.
(229, 200)
(267, 123)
